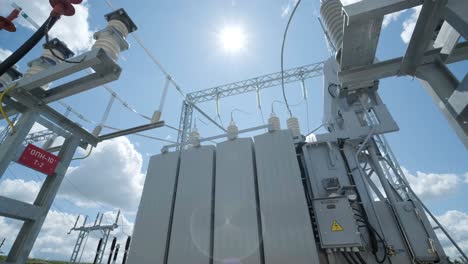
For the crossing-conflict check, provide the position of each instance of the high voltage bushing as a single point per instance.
(331, 13)
(112, 39)
(11, 75)
(233, 130)
(47, 58)
(293, 125)
(274, 123)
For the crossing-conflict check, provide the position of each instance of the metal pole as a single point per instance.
(127, 246)
(378, 170)
(98, 250)
(3, 242)
(112, 250)
(12, 143)
(116, 253)
(164, 94)
(30, 230)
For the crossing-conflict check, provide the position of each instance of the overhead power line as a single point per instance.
(282, 56)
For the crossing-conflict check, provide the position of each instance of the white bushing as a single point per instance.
(5, 79)
(232, 131)
(332, 17)
(274, 123)
(293, 125)
(194, 138)
(156, 116)
(112, 39)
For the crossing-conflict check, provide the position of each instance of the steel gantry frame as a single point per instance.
(433, 45)
(84, 232)
(256, 84)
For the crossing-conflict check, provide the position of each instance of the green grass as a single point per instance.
(37, 261)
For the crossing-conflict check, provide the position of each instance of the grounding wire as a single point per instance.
(282, 56)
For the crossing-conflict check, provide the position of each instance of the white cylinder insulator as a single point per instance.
(274, 123)
(332, 17)
(109, 45)
(34, 68)
(108, 41)
(5, 79)
(119, 26)
(233, 131)
(194, 137)
(39, 65)
(293, 125)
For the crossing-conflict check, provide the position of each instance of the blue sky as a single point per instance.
(183, 35)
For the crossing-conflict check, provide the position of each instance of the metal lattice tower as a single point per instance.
(84, 232)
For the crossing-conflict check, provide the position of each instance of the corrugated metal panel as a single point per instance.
(236, 235)
(152, 221)
(191, 227)
(287, 229)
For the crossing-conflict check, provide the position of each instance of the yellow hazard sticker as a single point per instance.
(336, 227)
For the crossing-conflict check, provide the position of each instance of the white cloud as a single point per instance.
(466, 177)
(431, 185)
(18, 189)
(391, 18)
(54, 243)
(287, 8)
(456, 224)
(111, 175)
(74, 31)
(4, 53)
(409, 24)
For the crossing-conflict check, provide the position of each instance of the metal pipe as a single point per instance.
(97, 251)
(116, 253)
(127, 246)
(131, 131)
(112, 250)
(378, 170)
(164, 94)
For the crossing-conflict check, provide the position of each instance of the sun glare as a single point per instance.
(232, 39)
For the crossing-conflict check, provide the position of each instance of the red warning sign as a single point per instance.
(39, 159)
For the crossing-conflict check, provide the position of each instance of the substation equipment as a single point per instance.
(336, 197)
(26, 98)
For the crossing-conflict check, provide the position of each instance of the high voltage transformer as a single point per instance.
(279, 197)
(338, 197)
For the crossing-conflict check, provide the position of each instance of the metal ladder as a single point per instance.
(77, 249)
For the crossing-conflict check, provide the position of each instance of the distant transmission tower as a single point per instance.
(84, 233)
(1, 245)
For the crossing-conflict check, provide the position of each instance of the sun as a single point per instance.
(232, 39)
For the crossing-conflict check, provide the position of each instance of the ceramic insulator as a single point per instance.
(293, 125)
(332, 17)
(274, 122)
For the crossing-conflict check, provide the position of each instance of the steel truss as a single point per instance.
(251, 85)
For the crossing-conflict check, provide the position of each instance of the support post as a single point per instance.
(440, 83)
(30, 230)
(10, 146)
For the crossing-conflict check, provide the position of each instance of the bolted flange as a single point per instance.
(122, 16)
(59, 46)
